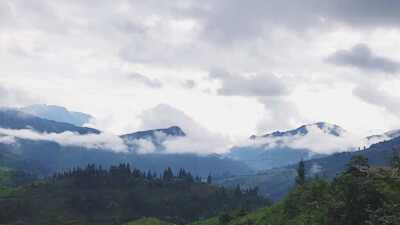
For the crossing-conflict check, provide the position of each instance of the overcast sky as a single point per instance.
(216, 68)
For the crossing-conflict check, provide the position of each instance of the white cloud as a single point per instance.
(77, 54)
(104, 141)
(198, 139)
(319, 141)
(144, 146)
(7, 139)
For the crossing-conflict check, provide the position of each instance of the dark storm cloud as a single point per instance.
(226, 21)
(362, 57)
(266, 84)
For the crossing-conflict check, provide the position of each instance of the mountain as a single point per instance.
(330, 128)
(57, 113)
(269, 150)
(277, 182)
(155, 136)
(386, 136)
(13, 119)
(44, 157)
(151, 134)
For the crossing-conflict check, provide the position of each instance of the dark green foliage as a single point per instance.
(119, 195)
(352, 198)
(301, 173)
(238, 192)
(209, 178)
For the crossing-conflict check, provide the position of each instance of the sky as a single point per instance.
(218, 69)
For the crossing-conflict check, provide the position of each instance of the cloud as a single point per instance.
(266, 84)
(319, 141)
(7, 139)
(236, 21)
(104, 141)
(189, 84)
(362, 57)
(372, 95)
(145, 80)
(281, 114)
(144, 146)
(268, 89)
(198, 139)
(10, 96)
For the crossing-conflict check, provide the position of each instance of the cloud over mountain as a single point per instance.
(104, 141)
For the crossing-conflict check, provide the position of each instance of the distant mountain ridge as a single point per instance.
(57, 113)
(44, 157)
(172, 131)
(262, 156)
(390, 134)
(276, 182)
(302, 130)
(13, 119)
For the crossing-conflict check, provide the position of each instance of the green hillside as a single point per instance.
(97, 196)
(276, 183)
(358, 195)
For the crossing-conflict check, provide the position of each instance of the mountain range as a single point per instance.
(268, 161)
(270, 150)
(49, 156)
(277, 182)
(57, 113)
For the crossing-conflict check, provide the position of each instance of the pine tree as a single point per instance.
(301, 173)
(149, 176)
(209, 178)
(238, 192)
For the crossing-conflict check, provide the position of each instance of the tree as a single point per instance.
(358, 162)
(301, 173)
(209, 178)
(238, 191)
(395, 161)
(149, 176)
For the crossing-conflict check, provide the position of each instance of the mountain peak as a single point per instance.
(303, 130)
(57, 113)
(170, 131)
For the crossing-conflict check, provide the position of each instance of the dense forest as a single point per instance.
(359, 195)
(91, 195)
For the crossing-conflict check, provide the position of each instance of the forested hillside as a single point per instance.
(120, 194)
(278, 181)
(359, 195)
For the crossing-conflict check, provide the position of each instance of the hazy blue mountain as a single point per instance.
(390, 135)
(259, 158)
(331, 128)
(48, 156)
(57, 113)
(14, 119)
(172, 131)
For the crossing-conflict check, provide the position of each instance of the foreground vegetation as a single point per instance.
(119, 195)
(358, 195)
